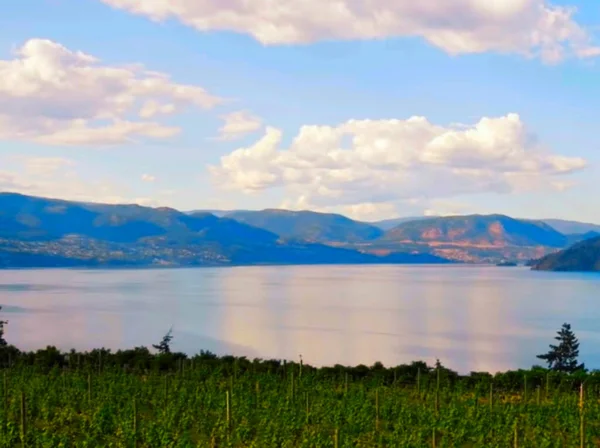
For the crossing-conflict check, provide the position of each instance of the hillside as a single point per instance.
(27, 218)
(583, 256)
(47, 232)
(218, 213)
(472, 239)
(388, 224)
(309, 226)
(572, 227)
(576, 238)
(477, 230)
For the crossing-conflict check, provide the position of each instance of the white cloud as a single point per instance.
(57, 177)
(148, 178)
(52, 95)
(528, 27)
(394, 160)
(442, 207)
(238, 124)
(367, 211)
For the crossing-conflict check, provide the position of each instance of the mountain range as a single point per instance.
(49, 232)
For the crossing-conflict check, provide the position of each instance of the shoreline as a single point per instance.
(456, 264)
(52, 357)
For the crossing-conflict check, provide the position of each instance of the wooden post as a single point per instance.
(89, 378)
(437, 393)
(376, 409)
(228, 414)
(5, 403)
(23, 420)
(581, 417)
(257, 394)
(307, 407)
(135, 423)
(292, 385)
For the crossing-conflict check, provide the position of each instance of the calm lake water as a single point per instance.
(471, 318)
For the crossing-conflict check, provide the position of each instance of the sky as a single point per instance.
(370, 108)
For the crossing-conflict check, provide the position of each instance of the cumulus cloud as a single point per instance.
(237, 124)
(528, 27)
(53, 95)
(394, 160)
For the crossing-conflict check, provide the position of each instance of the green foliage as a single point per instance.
(563, 357)
(135, 398)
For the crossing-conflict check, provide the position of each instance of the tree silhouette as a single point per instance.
(3, 342)
(165, 345)
(563, 357)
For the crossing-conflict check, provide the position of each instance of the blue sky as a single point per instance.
(353, 85)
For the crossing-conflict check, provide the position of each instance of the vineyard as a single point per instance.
(100, 399)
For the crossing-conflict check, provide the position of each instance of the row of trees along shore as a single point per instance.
(563, 369)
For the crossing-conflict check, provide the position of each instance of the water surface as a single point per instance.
(471, 318)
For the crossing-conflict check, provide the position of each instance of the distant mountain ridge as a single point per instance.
(483, 230)
(32, 218)
(388, 224)
(583, 256)
(470, 238)
(309, 226)
(576, 229)
(572, 227)
(48, 232)
(63, 232)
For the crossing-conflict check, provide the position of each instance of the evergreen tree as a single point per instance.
(563, 357)
(165, 344)
(3, 342)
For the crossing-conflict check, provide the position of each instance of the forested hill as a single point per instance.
(583, 256)
(309, 226)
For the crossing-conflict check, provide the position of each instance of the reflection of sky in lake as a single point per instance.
(471, 318)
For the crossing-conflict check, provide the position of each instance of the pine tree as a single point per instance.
(3, 342)
(165, 344)
(563, 357)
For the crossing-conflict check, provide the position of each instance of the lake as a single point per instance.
(470, 317)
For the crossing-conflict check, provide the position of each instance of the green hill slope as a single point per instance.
(583, 256)
(309, 226)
